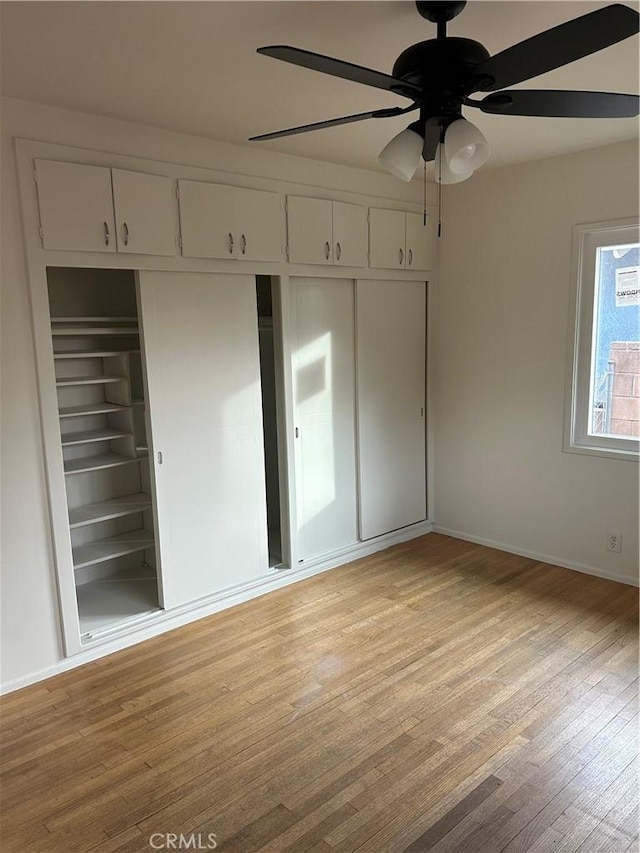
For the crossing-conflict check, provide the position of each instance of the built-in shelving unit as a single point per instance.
(101, 403)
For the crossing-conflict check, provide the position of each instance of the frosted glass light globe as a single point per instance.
(465, 147)
(443, 173)
(401, 156)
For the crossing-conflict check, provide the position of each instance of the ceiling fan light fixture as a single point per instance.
(443, 173)
(401, 156)
(465, 147)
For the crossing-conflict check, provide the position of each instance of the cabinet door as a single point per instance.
(419, 242)
(309, 230)
(349, 234)
(386, 239)
(203, 373)
(259, 225)
(207, 220)
(76, 207)
(144, 213)
(391, 400)
(324, 390)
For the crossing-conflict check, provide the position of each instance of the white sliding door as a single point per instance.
(203, 374)
(324, 391)
(391, 401)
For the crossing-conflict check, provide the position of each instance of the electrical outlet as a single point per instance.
(614, 541)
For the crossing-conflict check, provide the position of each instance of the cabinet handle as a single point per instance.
(338, 251)
(107, 236)
(400, 256)
(159, 457)
(243, 244)
(230, 243)
(327, 250)
(297, 432)
(125, 229)
(410, 256)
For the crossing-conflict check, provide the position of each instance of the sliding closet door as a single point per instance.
(391, 401)
(324, 389)
(203, 374)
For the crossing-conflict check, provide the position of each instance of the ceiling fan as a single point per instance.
(439, 75)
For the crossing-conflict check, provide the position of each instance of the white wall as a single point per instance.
(30, 638)
(500, 352)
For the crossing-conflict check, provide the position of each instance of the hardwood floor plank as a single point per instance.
(454, 815)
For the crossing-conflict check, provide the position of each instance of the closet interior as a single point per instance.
(104, 443)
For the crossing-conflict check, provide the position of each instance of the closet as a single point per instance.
(358, 362)
(103, 436)
(200, 333)
(323, 365)
(160, 519)
(391, 404)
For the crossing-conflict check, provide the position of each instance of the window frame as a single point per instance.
(587, 239)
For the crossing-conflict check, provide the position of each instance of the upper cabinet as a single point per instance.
(144, 213)
(88, 208)
(221, 221)
(398, 240)
(97, 209)
(321, 231)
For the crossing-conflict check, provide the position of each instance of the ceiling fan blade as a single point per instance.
(332, 122)
(559, 46)
(556, 103)
(432, 134)
(339, 68)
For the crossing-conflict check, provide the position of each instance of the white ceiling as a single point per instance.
(192, 67)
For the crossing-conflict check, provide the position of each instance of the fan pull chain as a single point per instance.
(440, 196)
(424, 211)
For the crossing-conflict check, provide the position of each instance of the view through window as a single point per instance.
(614, 406)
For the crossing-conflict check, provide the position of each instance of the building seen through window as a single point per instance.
(615, 369)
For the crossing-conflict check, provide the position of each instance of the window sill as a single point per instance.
(631, 455)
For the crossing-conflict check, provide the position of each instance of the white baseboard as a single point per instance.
(166, 621)
(541, 558)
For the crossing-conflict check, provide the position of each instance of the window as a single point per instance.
(604, 409)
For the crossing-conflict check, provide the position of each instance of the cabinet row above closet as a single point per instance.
(98, 209)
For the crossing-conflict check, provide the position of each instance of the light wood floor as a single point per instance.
(439, 696)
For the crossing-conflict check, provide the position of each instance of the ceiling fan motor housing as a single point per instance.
(445, 71)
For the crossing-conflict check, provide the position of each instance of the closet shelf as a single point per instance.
(91, 353)
(109, 603)
(79, 331)
(109, 549)
(90, 409)
(95, 463)
(66, 381)
(88, 436)
(103, 320)
(106, 510)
